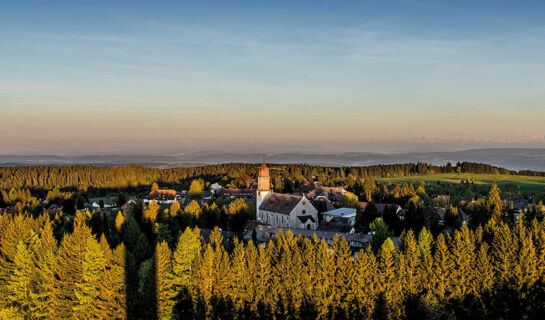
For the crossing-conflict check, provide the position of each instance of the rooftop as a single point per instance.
(341, 212)
(280, 203)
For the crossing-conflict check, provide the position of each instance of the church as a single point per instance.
(283, 210)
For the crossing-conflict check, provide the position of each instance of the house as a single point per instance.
(283, 210)
(322, 204)
(341, 215)
(107, 204)
(330, 193)
(216, 188)
(87, 207)
(126, 205)
(162, 196)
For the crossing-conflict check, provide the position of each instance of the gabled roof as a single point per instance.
(167, 194)
(331, 193)
(280, 203)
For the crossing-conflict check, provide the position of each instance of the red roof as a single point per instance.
(168, 194)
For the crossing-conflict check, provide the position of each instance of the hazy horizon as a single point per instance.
(379, 76)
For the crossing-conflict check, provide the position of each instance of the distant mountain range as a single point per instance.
(510, 158)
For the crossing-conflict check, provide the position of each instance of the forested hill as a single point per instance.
(102, 177)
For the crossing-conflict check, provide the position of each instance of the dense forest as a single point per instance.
(132, 177)
(164, 262)
(495, 271)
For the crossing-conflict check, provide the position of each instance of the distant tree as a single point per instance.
(494, 203)
(195, 189)
(193, 209)
(380, 233)
(119, 221)
(175, 208)
(154, 186)
(151, 212)
(121, 199)
(348, 200)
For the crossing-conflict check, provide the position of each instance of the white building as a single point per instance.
(344, 215)
(283, 210)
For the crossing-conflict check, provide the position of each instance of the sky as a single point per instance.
(87, 77)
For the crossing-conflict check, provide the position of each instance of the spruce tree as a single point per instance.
(164, 281)
(441, 267)
(19, 284)
(87, 290)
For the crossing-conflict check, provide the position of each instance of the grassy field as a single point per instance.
(532, 184)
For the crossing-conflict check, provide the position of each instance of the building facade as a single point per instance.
(283, 210)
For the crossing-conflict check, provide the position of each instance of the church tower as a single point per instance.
(263, 187)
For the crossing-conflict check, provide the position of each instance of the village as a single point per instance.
(312, 209)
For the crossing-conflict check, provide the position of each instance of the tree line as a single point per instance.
(82, 177)
(495, 270)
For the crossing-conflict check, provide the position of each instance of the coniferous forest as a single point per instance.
(139, 265)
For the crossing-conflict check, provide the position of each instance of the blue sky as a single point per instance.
(82, 77)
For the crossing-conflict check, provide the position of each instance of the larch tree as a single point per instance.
(69, 269)
(87, 290)
(119, 221)
(19, 284)
(164, 281)
(183, 260)
(441, 267)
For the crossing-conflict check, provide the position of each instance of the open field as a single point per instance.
(526, 183)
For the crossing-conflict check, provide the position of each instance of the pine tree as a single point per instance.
(409, 269)
(19, 284)
(193, 209)
(483, 272)
(392, 290)
(44, 274)
(503, 252)
(69, 270)
(425, 265)
(183, 260)
(174, 209)
(164, 281)
(112, 298)
(151, 212)
(462, 256)
(366, 285)
(441, 267)
(238, 277)
(119, 221)
(87, 290)
(494, 204)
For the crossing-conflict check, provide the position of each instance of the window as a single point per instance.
(304, 211)
(304, 203)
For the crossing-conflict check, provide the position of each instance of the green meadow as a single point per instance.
(531, 184)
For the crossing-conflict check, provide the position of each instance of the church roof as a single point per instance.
(263, 171)
(280, 203)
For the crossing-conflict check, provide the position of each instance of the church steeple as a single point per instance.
(263, 178)
(263, 186)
